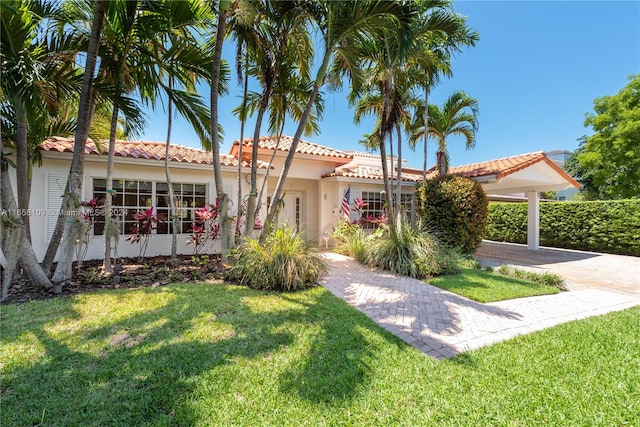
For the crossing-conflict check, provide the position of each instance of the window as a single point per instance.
(188, 198)
(130, 196)
(374, 208)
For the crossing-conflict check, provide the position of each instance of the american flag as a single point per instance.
(345, 203)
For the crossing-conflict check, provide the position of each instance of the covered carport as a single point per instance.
(526, 175)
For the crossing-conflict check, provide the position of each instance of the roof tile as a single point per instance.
(499, 167)
(369, 173)
(304, 147)
(145, 150)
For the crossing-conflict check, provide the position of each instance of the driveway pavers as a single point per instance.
(443, 324)
(580, 269)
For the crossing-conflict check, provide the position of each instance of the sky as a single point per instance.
(535, 72)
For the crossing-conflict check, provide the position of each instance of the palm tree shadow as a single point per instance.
(136, 378)
(336, 367)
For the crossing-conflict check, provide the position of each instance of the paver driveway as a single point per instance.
(580, 269)
(442, 324)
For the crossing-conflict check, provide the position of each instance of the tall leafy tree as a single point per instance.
(279, 38)
(35, 77)
(607, 163)
(386, 94)
(224, 10)
(125, 65)
(340, 25)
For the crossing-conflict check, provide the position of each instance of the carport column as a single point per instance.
(533, 220)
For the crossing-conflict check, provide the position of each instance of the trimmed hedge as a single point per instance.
(456, 207)
(611, 226)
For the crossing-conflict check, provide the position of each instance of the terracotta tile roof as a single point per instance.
(369, 173)
(499, 167)
(504, 167)
(355, 153)
(304, 147)
(145, 150)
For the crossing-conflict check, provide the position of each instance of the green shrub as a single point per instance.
(456, 207)
(350, 240)
(411, 253)
(546, 278)
(611, 226)
(284, 262)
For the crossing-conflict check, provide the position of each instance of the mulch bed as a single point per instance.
(151, 272)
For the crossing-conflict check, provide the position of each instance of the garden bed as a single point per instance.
(152, 271)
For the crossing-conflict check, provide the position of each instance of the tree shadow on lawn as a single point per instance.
(337, 366)
(144, 368)
(145, 364)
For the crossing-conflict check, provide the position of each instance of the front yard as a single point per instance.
(213, 354)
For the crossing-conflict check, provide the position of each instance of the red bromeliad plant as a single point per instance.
(146, 222)
(358, 207)
(205, 227)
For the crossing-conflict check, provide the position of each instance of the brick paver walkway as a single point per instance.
(443, 324)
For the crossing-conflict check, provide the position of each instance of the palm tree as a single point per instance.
(437, 48)
(386, 95)
(74, 181)
(277, 38)
(457, 116)
(225, 8)
(34, 76)
(181, 60)
(340, 23)
(124, 64)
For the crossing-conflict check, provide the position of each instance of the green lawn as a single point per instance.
(204, 354)
(483, 286)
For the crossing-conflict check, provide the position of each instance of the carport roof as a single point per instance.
(516, 174)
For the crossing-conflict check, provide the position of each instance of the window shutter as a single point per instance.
(56, 183)
(227, 187)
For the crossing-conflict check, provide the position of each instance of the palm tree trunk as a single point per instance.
(108, 199)
(387, 187)
(426, 132)
(245, 89)
(266, 175)
(277, 194)
(441, 158)
(253, 192)
(390, 176)
(54, 242)
(15, 244)
(22, 174)
(399, 168)
(74, 181)
(223, 202)
(173, 260)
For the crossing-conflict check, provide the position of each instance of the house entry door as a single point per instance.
(291, 212)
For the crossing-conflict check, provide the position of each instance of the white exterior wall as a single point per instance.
(45, 198)
(332, 192)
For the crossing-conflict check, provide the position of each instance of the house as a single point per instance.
(317, 182)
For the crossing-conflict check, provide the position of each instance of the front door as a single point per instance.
(292, 211)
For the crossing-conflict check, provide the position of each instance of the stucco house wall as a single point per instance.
(50, 179)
